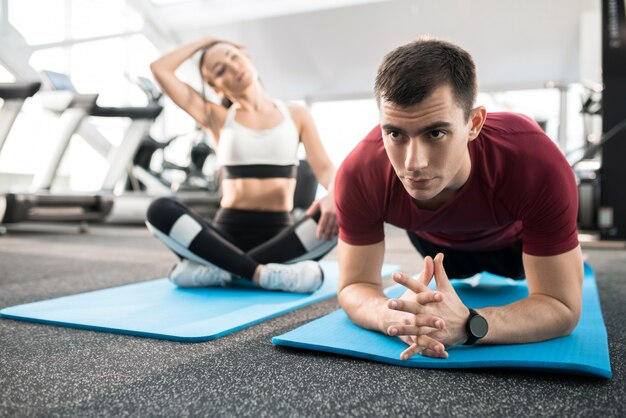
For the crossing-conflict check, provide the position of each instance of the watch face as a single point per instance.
(478, 326)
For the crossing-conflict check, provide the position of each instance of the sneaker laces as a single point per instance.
(303, 277)
(191, 274)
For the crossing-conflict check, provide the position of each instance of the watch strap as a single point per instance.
(471, 337)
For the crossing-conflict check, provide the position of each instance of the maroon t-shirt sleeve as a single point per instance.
(550, 224)
(546, 196)
(359, 195)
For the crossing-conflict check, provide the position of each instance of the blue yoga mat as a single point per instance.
(585, 351)
(158, 309)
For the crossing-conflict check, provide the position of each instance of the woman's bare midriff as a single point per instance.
(269, 195)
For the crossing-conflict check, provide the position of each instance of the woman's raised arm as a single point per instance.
(185, 96)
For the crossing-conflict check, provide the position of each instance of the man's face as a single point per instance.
(427, 145)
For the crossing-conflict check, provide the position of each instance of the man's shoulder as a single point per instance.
(375, 134)
(361, 187)
(373, 141)
(507, 146)
(509, 122)
(507, 135)
(366, 168)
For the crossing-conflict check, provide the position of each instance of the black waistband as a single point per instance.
(246, 217)
(260, 171)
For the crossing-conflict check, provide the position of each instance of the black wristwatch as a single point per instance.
(477, 327)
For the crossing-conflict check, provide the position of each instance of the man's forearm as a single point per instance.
(365, 304)
(536, 318)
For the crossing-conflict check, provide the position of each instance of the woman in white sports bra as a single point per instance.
(252, 236)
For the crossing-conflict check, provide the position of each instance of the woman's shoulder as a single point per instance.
(297, 110)
(212, 116)
(300, 114)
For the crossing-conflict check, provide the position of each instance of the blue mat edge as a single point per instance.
(163, 336)
(574, 368)
(391, 267)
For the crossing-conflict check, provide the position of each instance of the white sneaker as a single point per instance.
(302, 277)
(188, 273)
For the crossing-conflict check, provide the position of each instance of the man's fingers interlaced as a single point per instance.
(422, 344)
(435, 354)
(426, 325)
(409, 282)
(441, 277)
(429, 270)
(408, 306)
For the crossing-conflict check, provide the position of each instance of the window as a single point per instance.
(91, 18)
(342, 124)
(97, 43)
(39, 21)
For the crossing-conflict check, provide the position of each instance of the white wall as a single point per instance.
(335, 53)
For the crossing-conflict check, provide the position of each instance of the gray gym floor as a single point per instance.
(53, 371)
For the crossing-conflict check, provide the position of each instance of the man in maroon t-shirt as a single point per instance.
(490, 192)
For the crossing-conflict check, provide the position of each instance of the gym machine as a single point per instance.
(198, 190)
(612, 209)
(602, 169)
(42, 204)
(13, 95)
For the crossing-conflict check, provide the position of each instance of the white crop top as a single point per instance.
(239, 145)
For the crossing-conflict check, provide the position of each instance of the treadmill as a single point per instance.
(14, 95)
(202, 197)
(42, 204)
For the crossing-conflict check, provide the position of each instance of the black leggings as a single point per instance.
(247, 229)
(237, 240)
(505, 262)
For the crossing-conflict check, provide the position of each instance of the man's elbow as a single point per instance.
(570, 320)
(351, 299)
(343, 298)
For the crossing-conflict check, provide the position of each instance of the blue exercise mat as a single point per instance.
(158, 309)
(585, 351)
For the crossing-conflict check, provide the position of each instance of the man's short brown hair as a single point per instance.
(411, 72)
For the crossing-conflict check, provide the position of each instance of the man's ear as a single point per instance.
(478, 117)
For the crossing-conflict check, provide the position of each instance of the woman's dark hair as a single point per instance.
(225, 101)
(410, 73)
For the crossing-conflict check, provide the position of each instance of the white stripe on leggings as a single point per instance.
(306, 234)
(184, 230)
